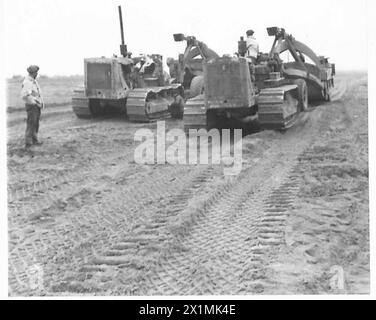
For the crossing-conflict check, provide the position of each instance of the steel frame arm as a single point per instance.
(195, 48)
(283, 42)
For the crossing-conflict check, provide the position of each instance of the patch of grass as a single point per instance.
(56, 90)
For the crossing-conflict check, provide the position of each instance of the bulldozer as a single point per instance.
(135, 87)
(269, 90)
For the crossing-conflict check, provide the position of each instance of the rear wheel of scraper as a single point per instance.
(197, 86)
(302, 94)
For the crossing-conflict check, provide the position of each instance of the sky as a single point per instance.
(58, 34)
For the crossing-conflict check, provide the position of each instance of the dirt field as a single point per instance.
(92, 221)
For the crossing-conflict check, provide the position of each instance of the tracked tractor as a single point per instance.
(133, 86)
(271, 91)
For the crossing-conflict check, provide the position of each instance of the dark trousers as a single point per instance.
(32, 124)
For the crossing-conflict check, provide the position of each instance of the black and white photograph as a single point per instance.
(186, 149)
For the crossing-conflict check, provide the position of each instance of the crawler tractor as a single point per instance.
(135, 87)
(271, 91)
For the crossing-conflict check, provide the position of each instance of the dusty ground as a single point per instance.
(92, 221)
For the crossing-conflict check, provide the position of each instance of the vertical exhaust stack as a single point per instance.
(123, 46)
(242, 47)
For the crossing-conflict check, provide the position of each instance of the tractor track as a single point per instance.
(96, 224)
(135, 250)
(230, 246)
(193, 245)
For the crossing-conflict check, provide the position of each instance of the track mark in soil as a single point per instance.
(224, 252)
(138, 250)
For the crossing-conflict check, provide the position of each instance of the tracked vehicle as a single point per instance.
(271, 91)
(132, 86)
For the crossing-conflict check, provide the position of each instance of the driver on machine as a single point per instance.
(145, 65)
(252, 46)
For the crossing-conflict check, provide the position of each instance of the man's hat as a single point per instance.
(250, 32)
(33, 68)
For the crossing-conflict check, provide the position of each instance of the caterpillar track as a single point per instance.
(80, 104)
(277, 107)
(195, 113)
(143, 104)
(149, 104)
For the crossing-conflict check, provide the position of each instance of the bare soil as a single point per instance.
(95, 222)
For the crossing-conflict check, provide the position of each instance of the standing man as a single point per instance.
(31, 94)
(252, 46)
(172, 69)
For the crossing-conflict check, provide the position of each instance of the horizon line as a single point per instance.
(81, 75)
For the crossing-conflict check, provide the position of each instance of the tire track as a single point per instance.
(339, 91)
(135, 249)
(96, 225)
(227, 248)
(227, 251)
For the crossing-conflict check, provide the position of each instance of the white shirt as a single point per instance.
(252, 47)
(146, 63)
(31, 92)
